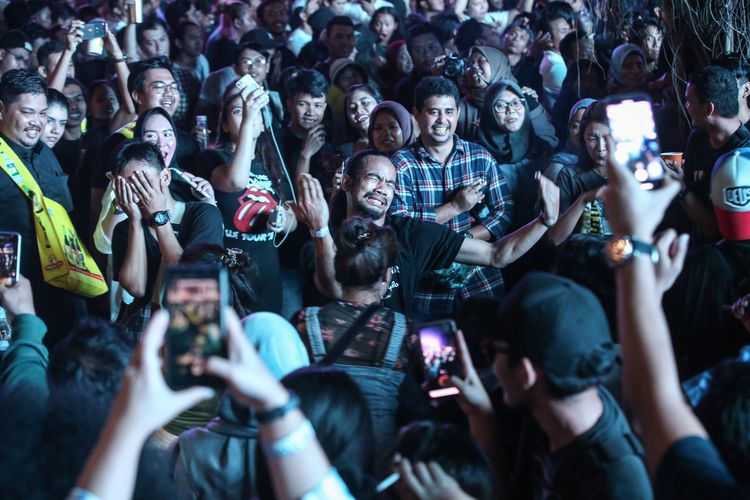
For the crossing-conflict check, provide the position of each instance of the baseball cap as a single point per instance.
(561, 327)
(260, 36)
(14, 39)
(730, 194)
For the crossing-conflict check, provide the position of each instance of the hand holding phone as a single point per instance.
(92, 30)
(440, 355)
(194, 296)
(10, 258)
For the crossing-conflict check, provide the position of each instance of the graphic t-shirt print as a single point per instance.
(255, 205)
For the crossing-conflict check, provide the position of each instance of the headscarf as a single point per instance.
(506, 147)
(402, 117)
(582, 104)
(498, 62)
(618, 58)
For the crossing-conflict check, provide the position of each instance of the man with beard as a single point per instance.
(368, 188)
(151, 84)
(23, 115)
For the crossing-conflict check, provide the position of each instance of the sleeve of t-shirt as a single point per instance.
(435, 246)
(692, 469)
(119, 247)
(202, 225)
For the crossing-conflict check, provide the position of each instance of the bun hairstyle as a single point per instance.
(364, 251)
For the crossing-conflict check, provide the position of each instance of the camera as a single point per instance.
(455, 66)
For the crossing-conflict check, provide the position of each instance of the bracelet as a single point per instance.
(294, 442)
(124, 58)
(320, 233)
(267, 416)
(544, 221)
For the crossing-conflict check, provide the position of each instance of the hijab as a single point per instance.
(506, 147)
(500, 70)
(618, 58)
(402, 117)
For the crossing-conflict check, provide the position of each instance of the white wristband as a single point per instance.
(321, 233)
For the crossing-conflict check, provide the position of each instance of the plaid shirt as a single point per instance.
(190, 88)
(423, 184)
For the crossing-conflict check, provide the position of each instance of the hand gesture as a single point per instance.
(315, 139)
(145, 401)
(473, 397)
(17, 299)
(592, 195)
(549, 193)
(428, 481)
(280, 219)
(468, 196)
(252, 104)
(542, 42)
(672, 251)
(203, 190)
(249, 380)
(438, 65)
(75, 35)
(110, 43)
(151, 192)
(311, 208)
(337, 176)
(630, 209)
(127, 200)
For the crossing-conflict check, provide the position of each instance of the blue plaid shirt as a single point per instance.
(423, 184)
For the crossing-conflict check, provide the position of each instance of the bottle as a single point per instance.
(201, 130)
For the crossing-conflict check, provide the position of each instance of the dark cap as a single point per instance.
(14, 39)
(561, 327)
(260, 36)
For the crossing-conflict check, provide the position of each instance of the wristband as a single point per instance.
(124, 58)
(320, 233)
(267, 416)
(294, 442)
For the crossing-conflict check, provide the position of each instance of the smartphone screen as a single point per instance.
(93, 30)
(631, 121)
(194, 298)
(441, 359)
(10, 259)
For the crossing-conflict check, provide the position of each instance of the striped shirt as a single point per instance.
(424, 183)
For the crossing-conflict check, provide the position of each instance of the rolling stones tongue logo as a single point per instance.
(255, 205)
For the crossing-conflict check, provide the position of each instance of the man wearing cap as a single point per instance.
(715, 275)
(711, 100)
(15, 51)
(553, 352)
(23, 107)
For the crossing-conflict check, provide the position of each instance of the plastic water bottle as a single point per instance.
(201, 130)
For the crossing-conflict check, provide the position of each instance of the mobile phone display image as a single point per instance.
(10, 260)
(631, 121)
(194, 298)
(246, 81)
(441, 359)
(93, 30)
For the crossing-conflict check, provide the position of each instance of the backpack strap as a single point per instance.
(343, 342)
(312, 322)
(397, 339)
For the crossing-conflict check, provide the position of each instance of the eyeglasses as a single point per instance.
(503, 107)
(258, 61)
(490, 350)
(161, 87)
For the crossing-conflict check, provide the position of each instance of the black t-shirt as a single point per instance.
(700, 159)
(605, 462)
(201, 223)
(245, 215)
(573, 181)
(423, 247)
(702, 330)
(692, 469)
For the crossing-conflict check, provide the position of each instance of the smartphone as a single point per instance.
(93, 30)
(246, 81)
(631, 120)
(10, 258)
(441, 361)
(194, 296)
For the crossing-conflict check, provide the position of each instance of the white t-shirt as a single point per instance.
(298, 39)
(553, 71)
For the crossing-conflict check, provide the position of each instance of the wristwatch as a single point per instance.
(159, 218)
(619, 250)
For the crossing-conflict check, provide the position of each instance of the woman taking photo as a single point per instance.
(251, 188)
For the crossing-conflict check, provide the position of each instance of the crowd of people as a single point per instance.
(349, 172)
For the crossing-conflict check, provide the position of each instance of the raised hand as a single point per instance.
(672, 251)
(311, 208)
(315, 139)
(17, 299)
(151, 191)
(75, 35)
(428, 481)
(549, 193)
(127, 200)
(473, 398)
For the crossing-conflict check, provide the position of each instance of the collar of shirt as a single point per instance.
(25, 154)
(459, 148)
